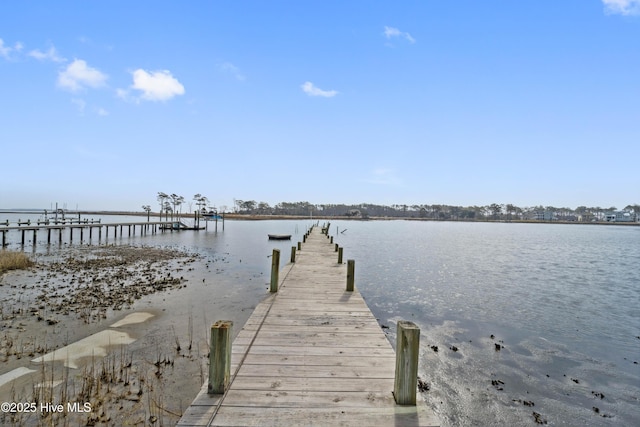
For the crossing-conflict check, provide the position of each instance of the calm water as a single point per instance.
(562, 301)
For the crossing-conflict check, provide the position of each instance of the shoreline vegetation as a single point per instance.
(12, 260)
(72, 298)
(242, 216)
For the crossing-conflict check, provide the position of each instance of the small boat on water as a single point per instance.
(279, 236)
(211, 215)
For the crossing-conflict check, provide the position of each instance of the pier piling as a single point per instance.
(275, 267)
(220, 357)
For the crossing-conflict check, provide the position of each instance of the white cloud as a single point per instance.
(622, 7)
(78, 75)
(155, 85)
(49, 55)
(312, 90)
(229, 68)
(5, 51)
(390, 32)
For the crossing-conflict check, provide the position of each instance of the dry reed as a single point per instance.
(10, 260)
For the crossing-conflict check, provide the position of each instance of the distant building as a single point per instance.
(620, 216)
(543, 215)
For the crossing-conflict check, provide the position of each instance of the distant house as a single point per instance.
(543, 216)
(620, 216)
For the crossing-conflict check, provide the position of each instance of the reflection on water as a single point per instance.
(560, 300)
(544, 317)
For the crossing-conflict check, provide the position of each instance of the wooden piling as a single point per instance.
(293, 254)
(220, 357)
(340, 255)
(275, 267)
(407, 350)
(351, 270)
(299, 246)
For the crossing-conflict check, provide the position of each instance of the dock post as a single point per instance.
(220, 357)
(340, 255)
(81, 234)
(70, 234)
(407, 350)
(22, 236)
(336, 250)
(331, 240)
(299, 246)
(34, 236)
(4, 238)
(351, 270)
(304, 238)
(275, 267)
(293, 254)
(60, 235)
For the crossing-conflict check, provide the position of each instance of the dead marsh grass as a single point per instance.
(10, 260)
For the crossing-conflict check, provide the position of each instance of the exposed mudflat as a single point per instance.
(116, 334)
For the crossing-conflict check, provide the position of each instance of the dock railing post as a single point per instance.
(293, 254)
(351, 270)
(407, 350)
(275, 267)
(340, 255)
(220, 357)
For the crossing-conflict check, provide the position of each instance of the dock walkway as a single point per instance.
(310, 354)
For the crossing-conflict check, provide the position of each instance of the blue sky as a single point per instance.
(532, 102)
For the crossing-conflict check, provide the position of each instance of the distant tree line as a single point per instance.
(494, 211)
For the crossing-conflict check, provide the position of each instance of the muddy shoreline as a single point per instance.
(82, 299)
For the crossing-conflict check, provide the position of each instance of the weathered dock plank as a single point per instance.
(311, 354)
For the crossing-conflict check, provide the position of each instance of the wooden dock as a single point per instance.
(88, 229)
(311, 354)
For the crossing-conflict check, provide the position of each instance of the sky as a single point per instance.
(530, 102)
